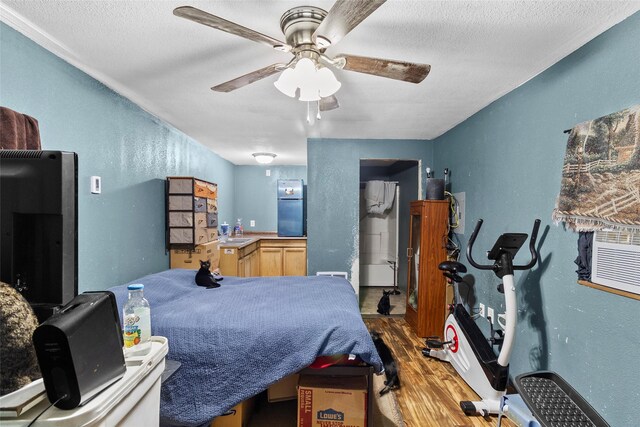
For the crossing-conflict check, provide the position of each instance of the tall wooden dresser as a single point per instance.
(426, 286)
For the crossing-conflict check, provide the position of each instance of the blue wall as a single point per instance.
(256, 195)
(333, 196)
(121, 231)
(508, 160)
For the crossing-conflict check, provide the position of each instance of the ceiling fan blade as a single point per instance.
(247, 79)
(343, 17)
(216, 22)
(329, 103)
(398, 70)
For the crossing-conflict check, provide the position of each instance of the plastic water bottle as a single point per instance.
(137, 323)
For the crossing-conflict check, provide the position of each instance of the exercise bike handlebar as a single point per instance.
(472, 240)
(494, 267)
(532, 248)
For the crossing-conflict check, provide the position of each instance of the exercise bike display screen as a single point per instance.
(508, 242)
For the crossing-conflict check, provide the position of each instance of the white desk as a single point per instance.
(133, 400)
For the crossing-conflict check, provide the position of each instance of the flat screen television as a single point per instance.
(39, 226)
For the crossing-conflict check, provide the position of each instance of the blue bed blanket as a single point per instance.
(236, 340)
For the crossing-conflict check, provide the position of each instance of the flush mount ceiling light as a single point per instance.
(264, 158)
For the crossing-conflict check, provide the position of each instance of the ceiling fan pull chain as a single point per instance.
(318, 115)
(308, 115)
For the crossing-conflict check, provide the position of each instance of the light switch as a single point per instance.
(268, 172)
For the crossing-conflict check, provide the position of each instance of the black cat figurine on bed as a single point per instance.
(205, 278)
(390, 367)
(384, 305)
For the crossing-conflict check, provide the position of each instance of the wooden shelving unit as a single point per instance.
(192, 212)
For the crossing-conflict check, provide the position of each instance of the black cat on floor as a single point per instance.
(390, 367)
(205, 278)
(384, 305)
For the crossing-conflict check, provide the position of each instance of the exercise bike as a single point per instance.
(544, 398)
(464, 345)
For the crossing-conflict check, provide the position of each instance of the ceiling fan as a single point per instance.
(308, 32)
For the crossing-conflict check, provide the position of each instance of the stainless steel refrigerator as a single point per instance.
(291, 208)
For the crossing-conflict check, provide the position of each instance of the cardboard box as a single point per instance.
(190, 259)
(326, 401)
(285, 389)
(239, 415)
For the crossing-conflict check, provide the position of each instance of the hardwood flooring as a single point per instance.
(370, 295)
(431, 390)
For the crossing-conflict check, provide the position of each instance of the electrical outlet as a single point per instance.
(490, 315)
(252, 223)
(481, 311)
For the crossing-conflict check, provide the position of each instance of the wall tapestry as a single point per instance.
(601, 174)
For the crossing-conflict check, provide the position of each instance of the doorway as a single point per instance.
(386, 188)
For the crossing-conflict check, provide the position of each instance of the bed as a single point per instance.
(236, 340)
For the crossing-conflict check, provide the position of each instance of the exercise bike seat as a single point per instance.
(452, 267)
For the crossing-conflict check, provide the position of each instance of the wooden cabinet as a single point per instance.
(271, 261)
(294, 262)
(249, 265)
(241, 261)
(283, 257)
(265, 257)
(426, 286)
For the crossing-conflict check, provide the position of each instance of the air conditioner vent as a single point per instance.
(621, 237)
(616, 260)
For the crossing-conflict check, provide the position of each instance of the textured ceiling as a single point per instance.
(478, 50)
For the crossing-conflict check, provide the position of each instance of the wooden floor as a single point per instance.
(430, 390)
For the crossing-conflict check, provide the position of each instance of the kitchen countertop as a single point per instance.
(249, 238)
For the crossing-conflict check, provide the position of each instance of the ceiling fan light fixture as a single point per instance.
(305, 71)
(327, 82)
(309, 94)
(264, 158)
(287, 83)
(312, 81)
